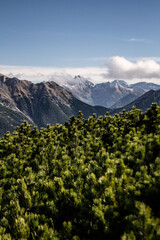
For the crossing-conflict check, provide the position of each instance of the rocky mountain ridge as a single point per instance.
(47, 102)
(143, 102)
(115, 94)
(40, 103)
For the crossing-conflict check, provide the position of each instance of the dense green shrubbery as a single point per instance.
(87, 179)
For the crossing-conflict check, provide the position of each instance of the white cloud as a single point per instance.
(38, 74)
(156, 59)
(143, 69)
(139, 40)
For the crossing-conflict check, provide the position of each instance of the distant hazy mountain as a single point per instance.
(126, 100)
(103, 94)
(106, 94)
(39, 104)
(143, 102)
(81, 88)
(143, 87)
(110, 94)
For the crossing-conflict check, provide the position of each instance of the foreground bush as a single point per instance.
(87, 179)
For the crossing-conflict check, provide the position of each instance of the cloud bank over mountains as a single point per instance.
(120, 67)
(144, 69)
(38, 74)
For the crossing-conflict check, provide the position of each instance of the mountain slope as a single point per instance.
(143, 102)
(113, 94)
(81, 88)
(40, 103)
(10, 119)
(143, 87)
(106, 94)
(126, 100)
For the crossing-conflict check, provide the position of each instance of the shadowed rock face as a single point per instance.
(40, 103)
(143, 102)
(126, 100)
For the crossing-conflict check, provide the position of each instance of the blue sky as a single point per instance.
(78, 34)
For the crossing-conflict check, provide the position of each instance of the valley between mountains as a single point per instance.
(48, 102)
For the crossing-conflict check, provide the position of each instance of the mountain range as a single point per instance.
(39, 104)
(115, 94)
(48, 102)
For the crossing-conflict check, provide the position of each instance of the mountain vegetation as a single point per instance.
(95, 178)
